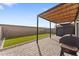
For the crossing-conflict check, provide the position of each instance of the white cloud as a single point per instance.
(3, 5)
(9, 4)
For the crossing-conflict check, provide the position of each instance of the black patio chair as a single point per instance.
(69, 44)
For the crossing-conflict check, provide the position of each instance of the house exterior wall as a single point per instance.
(77, 26)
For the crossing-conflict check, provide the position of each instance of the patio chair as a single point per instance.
(69, 44)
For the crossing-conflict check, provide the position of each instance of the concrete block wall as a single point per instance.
(11, 31)
(15, 31)
(1, 37)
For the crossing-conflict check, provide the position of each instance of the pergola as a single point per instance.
(62, 13)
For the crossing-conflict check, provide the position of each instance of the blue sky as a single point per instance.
(24, 13)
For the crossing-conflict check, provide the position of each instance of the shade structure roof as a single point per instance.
(66, 12)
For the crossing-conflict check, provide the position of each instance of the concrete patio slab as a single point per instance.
(48, 47)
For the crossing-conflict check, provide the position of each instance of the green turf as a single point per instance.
(14, 41)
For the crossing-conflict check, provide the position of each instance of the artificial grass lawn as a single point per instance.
(14, 41)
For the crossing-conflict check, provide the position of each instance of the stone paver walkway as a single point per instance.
(49, 47)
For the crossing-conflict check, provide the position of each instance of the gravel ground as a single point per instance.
(48, 47)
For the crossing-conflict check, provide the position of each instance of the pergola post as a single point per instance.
(37, 36)
(50, 30)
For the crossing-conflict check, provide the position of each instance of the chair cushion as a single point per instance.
(70, 40)
(68, 47)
